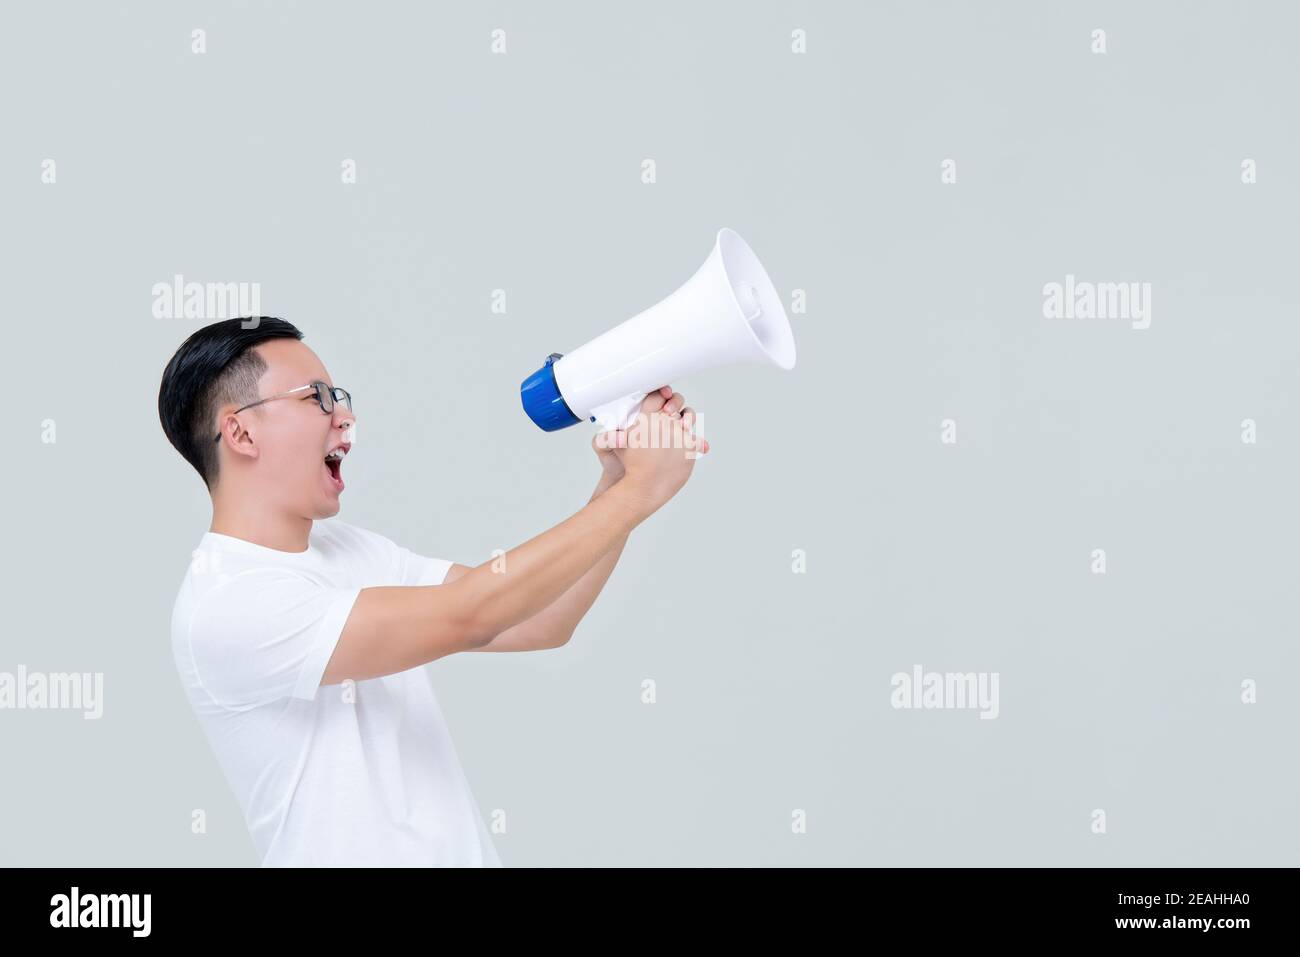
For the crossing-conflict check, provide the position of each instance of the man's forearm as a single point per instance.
(544, 568)
(555, 624)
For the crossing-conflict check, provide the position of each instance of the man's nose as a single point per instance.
(344, 418)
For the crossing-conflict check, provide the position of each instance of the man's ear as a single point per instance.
(242, 442)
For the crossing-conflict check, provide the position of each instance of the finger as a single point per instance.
(607, 441)
(674, 404)
(654, 401)
(694, 442)
(695, 445)
(666, 390)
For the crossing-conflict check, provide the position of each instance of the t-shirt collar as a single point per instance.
(230, 543)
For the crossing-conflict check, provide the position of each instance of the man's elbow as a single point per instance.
(475, 623)
(479, 624)
(477, 632)
(562, 638)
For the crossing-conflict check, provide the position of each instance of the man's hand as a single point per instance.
(657, 448)
(605, 444)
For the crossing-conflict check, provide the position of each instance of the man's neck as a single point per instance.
(259, 523)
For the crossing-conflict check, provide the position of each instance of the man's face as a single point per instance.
(291, 435)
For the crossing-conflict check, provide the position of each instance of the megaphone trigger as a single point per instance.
(618, 414)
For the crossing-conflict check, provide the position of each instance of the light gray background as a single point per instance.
(522, 172)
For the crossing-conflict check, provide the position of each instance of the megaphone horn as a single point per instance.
(728, 312)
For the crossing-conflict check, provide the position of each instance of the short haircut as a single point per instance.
(215, 366)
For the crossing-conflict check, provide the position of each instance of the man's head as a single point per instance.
(274, 450)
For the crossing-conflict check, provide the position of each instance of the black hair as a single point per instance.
(215, 366)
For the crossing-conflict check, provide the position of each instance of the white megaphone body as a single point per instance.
(728, 312)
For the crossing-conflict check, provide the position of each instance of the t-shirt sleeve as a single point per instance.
(266, 634)
(416, 569)
(401, 565)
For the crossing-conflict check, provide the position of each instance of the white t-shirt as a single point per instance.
(359, 774)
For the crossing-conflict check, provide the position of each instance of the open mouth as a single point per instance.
(333, 467)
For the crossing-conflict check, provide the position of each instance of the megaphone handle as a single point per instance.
(618, 413)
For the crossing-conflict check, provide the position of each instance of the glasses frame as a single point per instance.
(322, 389)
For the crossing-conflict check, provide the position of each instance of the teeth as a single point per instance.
(337, 454)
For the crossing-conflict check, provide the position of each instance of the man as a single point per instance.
(299, 638)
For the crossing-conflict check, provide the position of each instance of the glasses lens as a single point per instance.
(324, 397)
(346, 396)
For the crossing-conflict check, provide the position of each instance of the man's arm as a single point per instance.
(555, 624)
(394, 628)
(398, 627)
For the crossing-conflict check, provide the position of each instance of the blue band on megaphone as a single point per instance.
(542, 400)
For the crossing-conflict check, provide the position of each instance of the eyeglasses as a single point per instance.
(325, 396)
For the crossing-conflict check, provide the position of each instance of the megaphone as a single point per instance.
(728, 312)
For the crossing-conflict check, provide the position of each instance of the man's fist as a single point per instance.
(657, 450)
